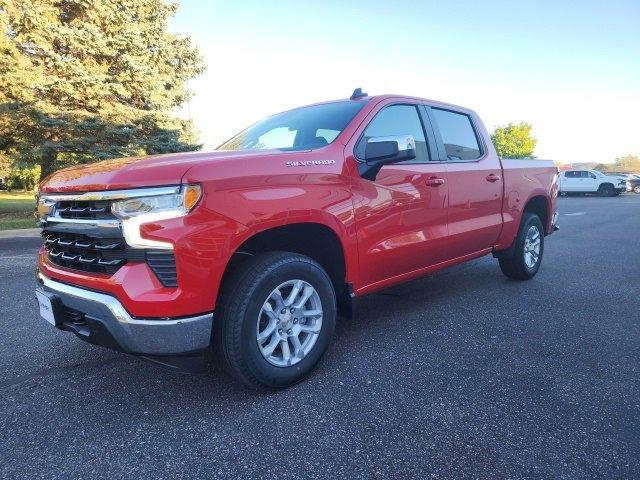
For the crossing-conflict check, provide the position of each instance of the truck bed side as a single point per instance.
(524, 180)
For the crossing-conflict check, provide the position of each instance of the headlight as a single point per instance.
(171, 205)
(44, 208)
(135, 211)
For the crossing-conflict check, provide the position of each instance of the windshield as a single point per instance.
(304, 128)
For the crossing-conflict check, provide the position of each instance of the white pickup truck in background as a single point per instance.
(591, 181)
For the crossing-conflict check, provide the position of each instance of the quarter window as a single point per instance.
(458, 135)
(396, 120)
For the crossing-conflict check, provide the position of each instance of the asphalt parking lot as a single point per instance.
(463, 374)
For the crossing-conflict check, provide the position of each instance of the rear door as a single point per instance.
(571, 181)
(581, 181)
(475, 182)
(401, 216)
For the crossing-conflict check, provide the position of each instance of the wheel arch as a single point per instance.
(315, 240)
(538, 204)
(541, 206)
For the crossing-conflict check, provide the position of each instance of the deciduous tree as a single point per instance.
(514, 140)
(628, 163)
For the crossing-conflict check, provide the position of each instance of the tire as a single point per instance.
(242, 316)
(606, 190)
(516, 266)
(636, 189)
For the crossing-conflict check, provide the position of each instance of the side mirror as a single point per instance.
(381, 151)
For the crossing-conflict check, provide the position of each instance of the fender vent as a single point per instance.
(163, 264)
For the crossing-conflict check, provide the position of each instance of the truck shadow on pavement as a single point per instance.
(380, 321)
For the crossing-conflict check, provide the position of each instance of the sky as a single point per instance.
(572, 69)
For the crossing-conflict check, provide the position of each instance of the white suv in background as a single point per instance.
(591, 181)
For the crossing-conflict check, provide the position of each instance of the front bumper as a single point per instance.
(101, 319)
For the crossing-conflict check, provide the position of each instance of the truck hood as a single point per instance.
(134, 172)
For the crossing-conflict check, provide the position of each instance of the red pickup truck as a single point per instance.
(255, 248)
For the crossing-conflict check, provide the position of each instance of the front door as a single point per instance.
(401, 216)
(571, 181)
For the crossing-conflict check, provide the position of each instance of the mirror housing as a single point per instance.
(381, 151)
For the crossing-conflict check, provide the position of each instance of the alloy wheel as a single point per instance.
(289, 323)
(532, 247)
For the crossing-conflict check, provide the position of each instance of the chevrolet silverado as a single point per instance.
(252, 250)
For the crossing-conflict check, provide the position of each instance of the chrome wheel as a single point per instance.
(289, 323)
(532, 246)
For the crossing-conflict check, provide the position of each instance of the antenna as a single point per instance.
(358, 93)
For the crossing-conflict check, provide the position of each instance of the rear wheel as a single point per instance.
(276, 317)
(636, 189)
(525, 260)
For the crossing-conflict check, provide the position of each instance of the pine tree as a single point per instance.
(86, 80)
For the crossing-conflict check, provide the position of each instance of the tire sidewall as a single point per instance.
(269, 374)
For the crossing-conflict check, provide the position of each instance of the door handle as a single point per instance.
(492, 177)
(434, 181)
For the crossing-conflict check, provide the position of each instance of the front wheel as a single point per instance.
(276, 317)
(525, 260)
(636, 189)
(606, 190)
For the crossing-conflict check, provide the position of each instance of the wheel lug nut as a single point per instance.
(292, 310)
(289, 332)
(284, 310)
(280, 331)
(295, 320)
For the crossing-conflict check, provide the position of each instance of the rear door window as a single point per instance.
(459, 137)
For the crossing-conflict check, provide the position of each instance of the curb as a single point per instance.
(22, 232)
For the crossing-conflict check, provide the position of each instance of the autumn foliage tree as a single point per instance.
(86, 80)
(514, 140)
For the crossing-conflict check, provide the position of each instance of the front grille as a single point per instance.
(85, 210)
(106, 255)
(96, 248)
(82, 252)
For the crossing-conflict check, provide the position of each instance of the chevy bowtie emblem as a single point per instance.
(309, 163)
